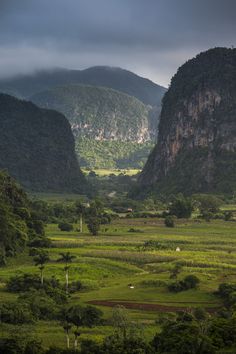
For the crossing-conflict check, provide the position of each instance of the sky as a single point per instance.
(149, 37)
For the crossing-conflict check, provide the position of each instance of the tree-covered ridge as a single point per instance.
(18, 222)
(100, 113)
(37, 147)
(116, 78)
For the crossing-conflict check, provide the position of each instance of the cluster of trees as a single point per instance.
(112, 154)
(67, 213)
(192, 332)
(19, 223)
(189, 282)
(207, 205)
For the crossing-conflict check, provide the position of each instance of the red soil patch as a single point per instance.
(147, 307)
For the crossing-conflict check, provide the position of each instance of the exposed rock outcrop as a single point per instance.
(196, 149)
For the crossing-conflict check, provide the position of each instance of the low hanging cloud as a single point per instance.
(151, 37)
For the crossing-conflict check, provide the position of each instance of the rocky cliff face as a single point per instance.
(196, 148)
(37, 147)
(100, 113)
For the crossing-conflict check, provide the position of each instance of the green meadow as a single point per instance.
(109, 263)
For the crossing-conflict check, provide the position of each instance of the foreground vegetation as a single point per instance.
(116, 276)
(131, 263)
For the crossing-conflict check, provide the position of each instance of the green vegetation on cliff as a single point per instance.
(37, 147)
(111, 129)
(99, 112)
(196, 149)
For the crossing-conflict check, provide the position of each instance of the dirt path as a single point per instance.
(150, 307)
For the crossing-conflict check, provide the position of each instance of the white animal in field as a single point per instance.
(177, 249)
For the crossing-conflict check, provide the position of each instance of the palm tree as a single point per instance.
(66, 258)
(40, 260)
(67, 326)
(80, 209)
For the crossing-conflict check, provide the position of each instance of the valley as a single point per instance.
(106, 264)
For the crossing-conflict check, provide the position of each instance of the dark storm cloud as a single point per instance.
(151, 37)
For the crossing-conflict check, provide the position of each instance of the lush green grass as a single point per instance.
(107, 263)
(101, 172)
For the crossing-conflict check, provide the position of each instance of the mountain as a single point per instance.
(116, 78)
(100, 118)
(100, 113)
(100, 142)
(196, 149)
(37, 147)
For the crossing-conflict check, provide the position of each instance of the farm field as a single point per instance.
(101, 172)
(120, 267)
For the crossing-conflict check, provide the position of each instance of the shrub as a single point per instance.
(152, 245)
(93, 224)
(134, 230)
(41, 305)
(16, 313)
(181, 207)
(28, 282)
(169, 221)
(42, 242)
(228, 215)
(189, 282)
(65, 226)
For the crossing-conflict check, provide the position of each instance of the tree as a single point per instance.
(95, 215)
(93, 224)
(80, 210)
(175, 271)
(66, 258)
(169, 221)
(65, 226)
(40, 260)
(17, 225)
(207, 203)
(83, 316)
(181, 207)
(120, 321)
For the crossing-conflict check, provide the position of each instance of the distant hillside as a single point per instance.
(93, 112)
(100, 113)
(116, 78)
(100, 117)
(37, 147)
(196, 149)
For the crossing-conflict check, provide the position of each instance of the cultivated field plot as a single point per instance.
(130, 263)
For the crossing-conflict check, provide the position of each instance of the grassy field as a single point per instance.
(108, 263)
(106, 172)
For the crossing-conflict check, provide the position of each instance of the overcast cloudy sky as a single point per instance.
(150, 37)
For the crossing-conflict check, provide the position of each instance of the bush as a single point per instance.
(41, 305)
(169, 221)
(181, 207)
(228, 215)
(189, 282)
(134, 230)
(16, 313)
(28, 282)
(65, 226)
(42, 242)
(93, 224)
